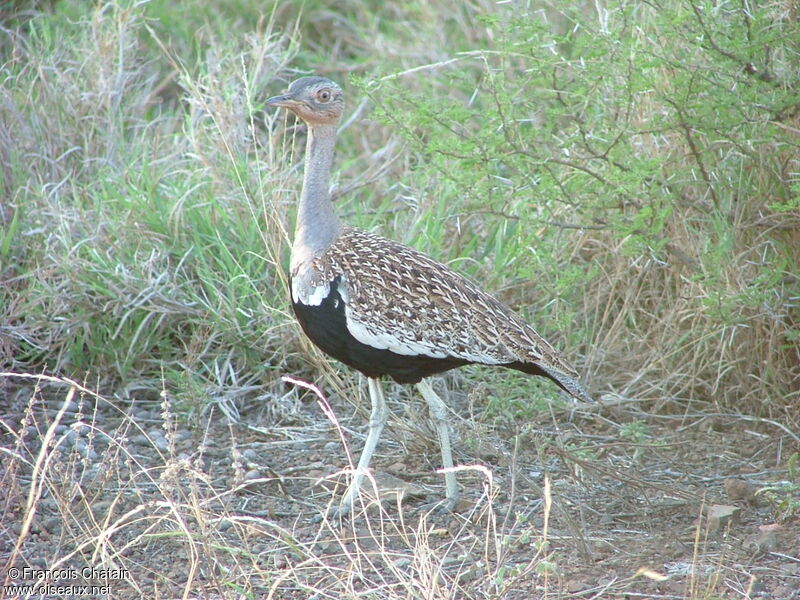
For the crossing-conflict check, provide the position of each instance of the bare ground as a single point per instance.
(601, 502)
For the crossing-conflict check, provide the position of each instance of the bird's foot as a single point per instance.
(333, 513)
(445, 506)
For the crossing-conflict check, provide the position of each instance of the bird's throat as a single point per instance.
(317, 224)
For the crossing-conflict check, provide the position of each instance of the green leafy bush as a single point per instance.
(639, 166)
(625, 176)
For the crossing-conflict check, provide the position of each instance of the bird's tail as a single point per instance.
(568, 384)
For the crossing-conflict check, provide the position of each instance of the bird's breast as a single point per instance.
(310, 286)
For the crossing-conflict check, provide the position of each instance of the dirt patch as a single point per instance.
(607, 502)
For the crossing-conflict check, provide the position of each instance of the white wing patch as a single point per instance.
(383, 340)
(309, 295)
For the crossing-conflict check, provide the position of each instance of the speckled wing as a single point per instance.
(400, 300)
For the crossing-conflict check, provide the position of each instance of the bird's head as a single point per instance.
(316, 100)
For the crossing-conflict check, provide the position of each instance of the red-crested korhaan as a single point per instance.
(383, 308)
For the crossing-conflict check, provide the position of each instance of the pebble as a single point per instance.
(251, 455)
(85, 449)
(280, 560)
(53, 406)
(80, 428)
(252, 474)
(52, 525)
(259, 547)
(158, 440)
(224, 525)
(182, 435)
(48, 504)
(160, 443)
(785, 591)
(39, 562)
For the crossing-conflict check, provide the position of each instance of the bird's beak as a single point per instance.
(284, 101)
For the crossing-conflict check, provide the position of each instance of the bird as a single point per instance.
(386, 309)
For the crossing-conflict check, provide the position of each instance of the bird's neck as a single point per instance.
(317, 225)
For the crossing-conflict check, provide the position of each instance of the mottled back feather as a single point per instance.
(400, 299)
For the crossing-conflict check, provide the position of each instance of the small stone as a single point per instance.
(224, 525)
(720, 515)
(158, 440)
(40, 562)
(142, 415)
(81, 429)
(86, 450)
(252, 475)
(52, 525)
(767, 539)
(56, 405)
(576, 585)
(740, 490)
(280, 560)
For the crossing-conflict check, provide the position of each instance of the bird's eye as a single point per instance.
(324, 95)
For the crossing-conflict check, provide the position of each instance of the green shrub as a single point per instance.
(625, 177)
(637, 165)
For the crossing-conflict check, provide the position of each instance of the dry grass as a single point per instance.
(200, 513)
(176, 524)
(670, 337)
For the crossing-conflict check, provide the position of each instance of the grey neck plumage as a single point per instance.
(317, 225)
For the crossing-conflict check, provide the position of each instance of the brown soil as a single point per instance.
(608, 502)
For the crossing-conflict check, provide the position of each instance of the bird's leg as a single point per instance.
(377, 420)
(438, 411)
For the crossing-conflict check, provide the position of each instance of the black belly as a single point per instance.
(326, 326)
